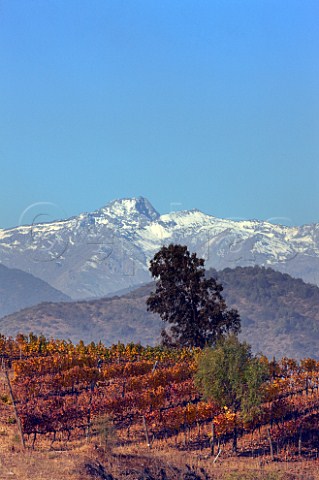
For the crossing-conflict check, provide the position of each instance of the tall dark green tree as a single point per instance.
(189, 302)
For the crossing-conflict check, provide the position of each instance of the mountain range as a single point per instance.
(279, 314)
(96, 254)
(19, 290)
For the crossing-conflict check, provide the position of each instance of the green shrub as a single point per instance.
(105, 432)
(5, 399)
(11, 420)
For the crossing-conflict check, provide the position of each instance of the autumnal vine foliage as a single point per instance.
(62, 388)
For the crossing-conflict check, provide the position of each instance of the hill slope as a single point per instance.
(19, 290)
(280, 315)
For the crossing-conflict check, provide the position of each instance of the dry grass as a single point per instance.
(39, 466)
(139, 462)
(135, 461)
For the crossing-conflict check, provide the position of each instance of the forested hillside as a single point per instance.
(280, 314)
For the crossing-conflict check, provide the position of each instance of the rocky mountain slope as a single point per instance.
(19, 290)
(280, 314)
(95, 254)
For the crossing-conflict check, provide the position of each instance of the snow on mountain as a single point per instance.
(98, 253)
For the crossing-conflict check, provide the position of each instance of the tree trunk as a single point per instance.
(34, 439)
(213, 439)
(235, 435)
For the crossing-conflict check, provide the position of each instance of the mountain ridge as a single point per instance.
(280, 314)
(19, 290)
(94, 254)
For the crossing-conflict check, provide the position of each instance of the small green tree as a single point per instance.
(105, 432)
(191, 303)
(230, 375)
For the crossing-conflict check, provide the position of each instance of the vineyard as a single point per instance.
(62, 391)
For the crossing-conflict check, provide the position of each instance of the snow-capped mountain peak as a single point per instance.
(101, 252)
(132, 208)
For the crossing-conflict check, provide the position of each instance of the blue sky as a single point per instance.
(193, 104)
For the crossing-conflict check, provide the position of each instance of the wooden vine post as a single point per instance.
(146, 432)
(15, 409)
(88, 428)
(300, 442)
(271, 449)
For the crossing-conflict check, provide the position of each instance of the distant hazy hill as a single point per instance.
(19, 290)
(111, 319)
(280, 315)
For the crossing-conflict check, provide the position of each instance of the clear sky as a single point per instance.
(209, 104)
